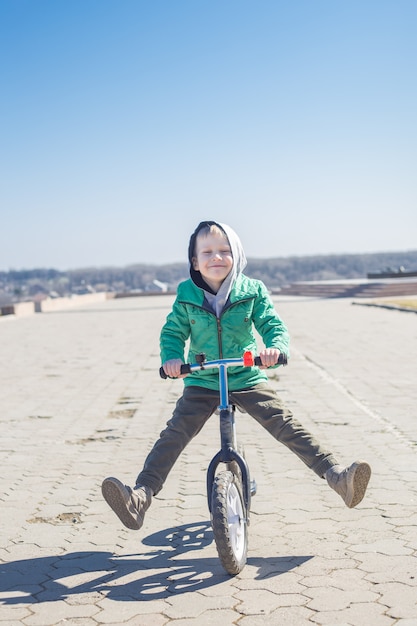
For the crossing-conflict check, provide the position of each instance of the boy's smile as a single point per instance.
(213, 258)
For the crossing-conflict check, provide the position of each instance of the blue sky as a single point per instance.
(124, 123)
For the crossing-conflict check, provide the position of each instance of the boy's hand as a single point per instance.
(172, 368)
(269, 357)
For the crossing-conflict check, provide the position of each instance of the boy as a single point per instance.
(217, 309)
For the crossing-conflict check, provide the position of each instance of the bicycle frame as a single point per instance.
(228, 453)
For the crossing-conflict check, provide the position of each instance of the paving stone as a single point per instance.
(330, 598)
(195, 604)
(402, 601)
(13, 614)
(290, 616)
(263, 602)
(209, 618)
(356, 614)
(124, 609)
(153, 619)
(45, 613)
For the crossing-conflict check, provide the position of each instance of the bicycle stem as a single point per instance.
(223, 387)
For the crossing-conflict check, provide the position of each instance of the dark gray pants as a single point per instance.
(195, 407)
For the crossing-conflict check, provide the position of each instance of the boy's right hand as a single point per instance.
(172, 368)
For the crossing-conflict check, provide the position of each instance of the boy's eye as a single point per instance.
(209, 252)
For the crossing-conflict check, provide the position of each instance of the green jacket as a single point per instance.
(249, 307)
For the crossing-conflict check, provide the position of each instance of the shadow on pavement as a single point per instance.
(145, 576)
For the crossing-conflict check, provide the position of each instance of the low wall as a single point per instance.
(58, 304)
(20, 309)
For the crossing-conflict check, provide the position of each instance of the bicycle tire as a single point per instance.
(229, 522)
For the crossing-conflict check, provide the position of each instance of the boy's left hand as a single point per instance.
(269, 357)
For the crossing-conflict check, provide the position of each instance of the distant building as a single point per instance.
(160, 286)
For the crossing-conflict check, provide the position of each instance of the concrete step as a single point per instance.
(349, 290)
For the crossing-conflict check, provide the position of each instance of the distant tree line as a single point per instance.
(283, 271)
(275, 273)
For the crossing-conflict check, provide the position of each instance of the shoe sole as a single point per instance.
(357, 482)
(117, 497)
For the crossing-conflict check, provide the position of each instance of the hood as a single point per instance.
(217, 301)
(239, 258)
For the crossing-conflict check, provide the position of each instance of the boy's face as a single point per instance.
(213, 258)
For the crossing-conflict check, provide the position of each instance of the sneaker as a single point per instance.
(130, 505)
(350, 482)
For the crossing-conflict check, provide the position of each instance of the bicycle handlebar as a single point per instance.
(248, 360)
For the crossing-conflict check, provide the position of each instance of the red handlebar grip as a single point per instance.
(248, 360)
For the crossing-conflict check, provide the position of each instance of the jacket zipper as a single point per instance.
(219, 336)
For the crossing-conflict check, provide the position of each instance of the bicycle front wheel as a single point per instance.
(229, 522)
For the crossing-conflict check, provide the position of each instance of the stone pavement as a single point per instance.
(81, 399)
